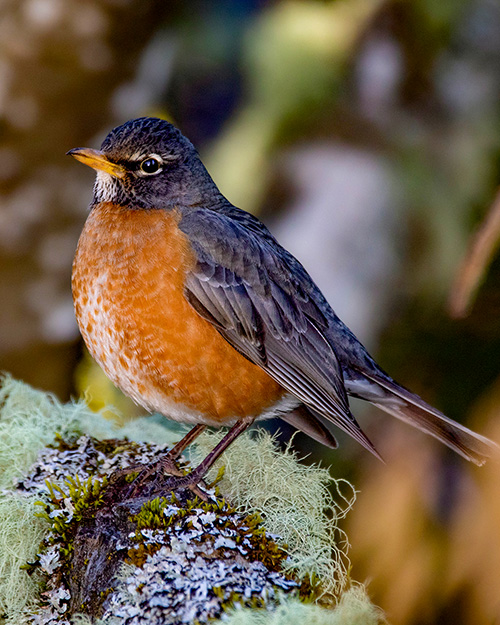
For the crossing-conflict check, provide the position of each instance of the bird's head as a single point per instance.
(147, 163)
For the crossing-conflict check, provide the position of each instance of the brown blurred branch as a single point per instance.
(482, 248)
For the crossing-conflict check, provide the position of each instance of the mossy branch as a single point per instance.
(123, 558)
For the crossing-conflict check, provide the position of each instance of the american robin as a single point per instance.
(194, 310)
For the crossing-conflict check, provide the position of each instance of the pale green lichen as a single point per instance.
(20, 537)
(354, 608)
(294, 501)
(29, 420)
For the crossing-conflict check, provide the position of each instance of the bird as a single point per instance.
(194, 310)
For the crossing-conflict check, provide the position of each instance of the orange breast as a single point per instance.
(128, 283)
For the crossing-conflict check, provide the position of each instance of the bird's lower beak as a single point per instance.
(97, 160)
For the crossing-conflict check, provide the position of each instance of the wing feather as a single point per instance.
(265, 305)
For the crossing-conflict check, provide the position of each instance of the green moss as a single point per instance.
(130, 477)
(64, 510)
(238, 600)
(263, 548)
(151, 514)
(310, 588)
(137, 556)
(85, 497)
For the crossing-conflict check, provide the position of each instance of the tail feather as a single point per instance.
(306, 421)
(405, 405)
(352, 427)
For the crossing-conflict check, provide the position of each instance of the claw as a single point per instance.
(165, 465)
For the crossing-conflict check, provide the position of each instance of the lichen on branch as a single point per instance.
(265, 541)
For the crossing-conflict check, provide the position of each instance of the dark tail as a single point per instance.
(383, 392)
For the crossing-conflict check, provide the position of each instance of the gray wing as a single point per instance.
(263, 303)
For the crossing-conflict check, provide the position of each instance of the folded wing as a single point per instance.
(263, 303)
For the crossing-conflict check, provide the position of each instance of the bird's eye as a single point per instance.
(150, 166)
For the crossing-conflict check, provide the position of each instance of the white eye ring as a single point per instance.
(150, 166)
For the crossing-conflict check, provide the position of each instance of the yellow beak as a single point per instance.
(98, 161)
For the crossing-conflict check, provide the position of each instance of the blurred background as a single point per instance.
(366, 134)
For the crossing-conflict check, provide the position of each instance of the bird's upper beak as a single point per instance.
(97, 160)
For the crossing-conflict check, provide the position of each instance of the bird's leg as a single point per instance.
(179, 447)
(196, 475)
(167, 464)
